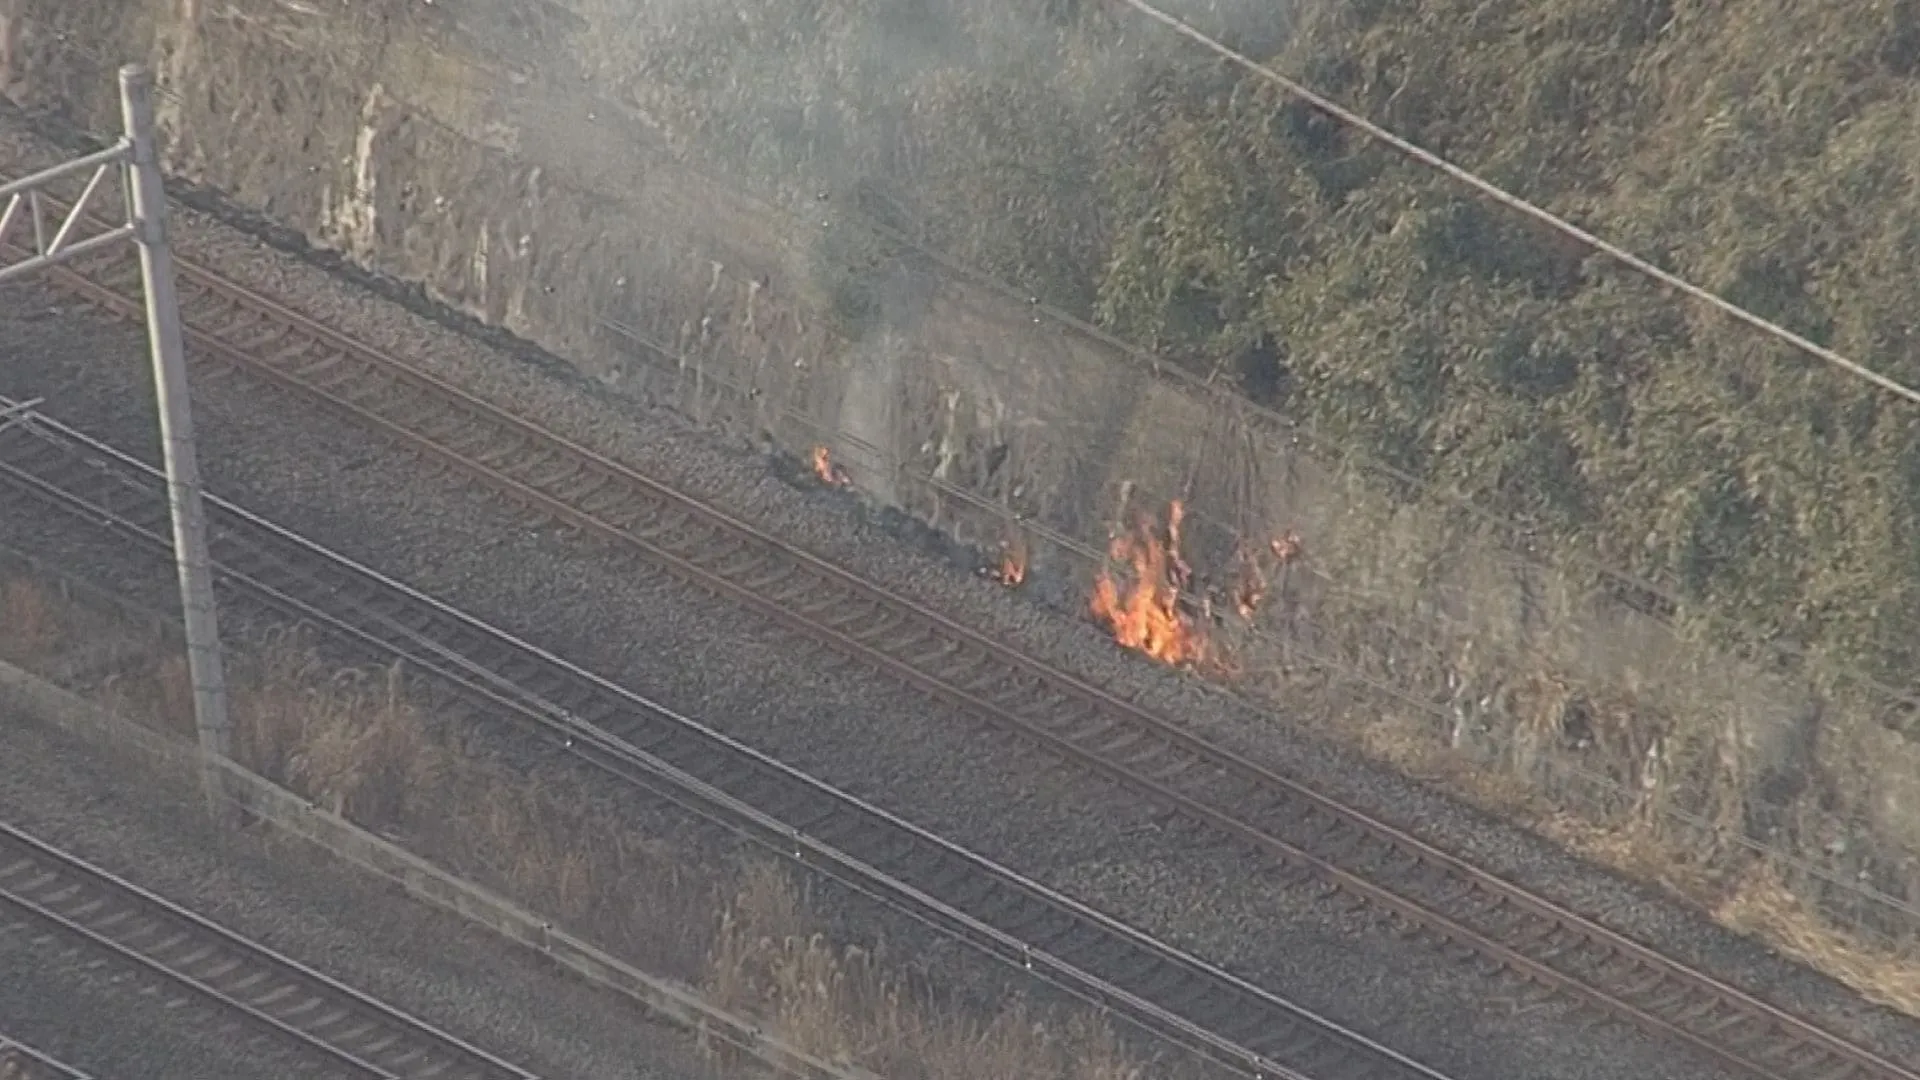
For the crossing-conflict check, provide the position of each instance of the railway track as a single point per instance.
(1419, 890)
(350, 1032)
(18, 1061)
(1160, 989)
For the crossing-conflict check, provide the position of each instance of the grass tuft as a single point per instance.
(31, 630)
(381, 752)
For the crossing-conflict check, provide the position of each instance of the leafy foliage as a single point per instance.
(1764, 150)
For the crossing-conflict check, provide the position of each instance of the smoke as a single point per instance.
(980, 127)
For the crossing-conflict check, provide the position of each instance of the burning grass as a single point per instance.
(1736, 790)
(1142, 606)
(1155, 606)
(1012, 571)
(1434, 638)
(368, 745)
(1518, 732)
(827, 471)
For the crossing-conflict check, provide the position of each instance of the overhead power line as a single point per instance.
(1514, 202)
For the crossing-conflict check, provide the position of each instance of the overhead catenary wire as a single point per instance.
(1344, 457)
(1522, 206)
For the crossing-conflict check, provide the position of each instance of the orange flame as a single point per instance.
(1250, 585)
(830, 474)
(1013, 564)
(1146, 616)
(1286, 547)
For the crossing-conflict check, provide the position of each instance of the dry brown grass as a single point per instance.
(1681, 761)
(843, 1005)
(363, 743)
(1657, 750)
(31, 626)
(1739, 887)
(1764, 906)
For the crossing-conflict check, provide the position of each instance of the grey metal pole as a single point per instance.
(204, 664)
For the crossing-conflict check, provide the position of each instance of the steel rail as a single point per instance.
(26, 1063)
(324, 1017)
(964, 895)
(1417, 887)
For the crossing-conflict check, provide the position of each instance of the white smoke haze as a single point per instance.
(985, 128)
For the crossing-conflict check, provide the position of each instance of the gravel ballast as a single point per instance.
(100, 1018)
(860, 731)
(292, 899)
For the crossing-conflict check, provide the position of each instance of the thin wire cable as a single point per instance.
(1514, 202)
(1338, 459)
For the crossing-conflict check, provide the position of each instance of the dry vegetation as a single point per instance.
(1750, 746)
(1760, 149)
(1764, 731)
(1758, 741)
(738, 928)
(32, 627)
(1755, 748)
